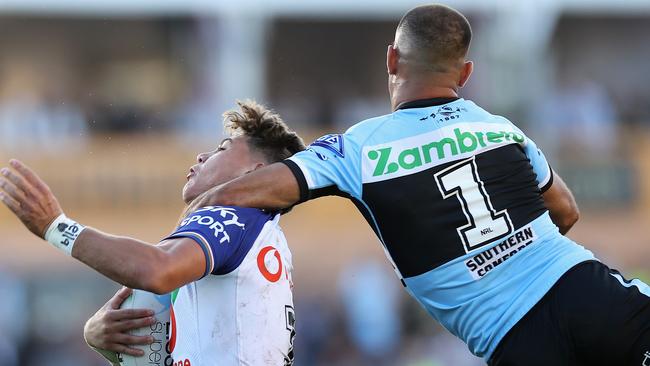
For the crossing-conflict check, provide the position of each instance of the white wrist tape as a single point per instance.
(63, 232)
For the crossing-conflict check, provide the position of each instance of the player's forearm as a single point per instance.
(127, 261)
(272, 187)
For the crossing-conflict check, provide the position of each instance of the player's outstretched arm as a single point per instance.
(107, 331)
(561, 205)
(133, 263)
(130, 262)
(271, 187)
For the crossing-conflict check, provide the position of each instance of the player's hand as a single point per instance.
(28, 197)
(108, 328)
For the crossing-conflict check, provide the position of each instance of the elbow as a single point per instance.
(154, 278)
(568, 220)
(160, 290)
(573, 216)
(157, 284)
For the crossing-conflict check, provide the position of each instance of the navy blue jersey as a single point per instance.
(454, 195)
(224, 233)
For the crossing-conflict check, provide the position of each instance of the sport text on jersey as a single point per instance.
(417, 153)
(228, 214)
(482, 263)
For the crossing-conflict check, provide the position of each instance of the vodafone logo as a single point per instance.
(270, 265)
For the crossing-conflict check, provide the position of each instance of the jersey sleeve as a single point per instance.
(329, 166)
(540, 165)
(224, 233)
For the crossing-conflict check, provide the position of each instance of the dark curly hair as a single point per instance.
(266, 131)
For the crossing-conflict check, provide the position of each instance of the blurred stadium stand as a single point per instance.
(111, 100)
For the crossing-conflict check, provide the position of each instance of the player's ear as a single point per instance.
(392, 59)
(465, 73)
(256, 166)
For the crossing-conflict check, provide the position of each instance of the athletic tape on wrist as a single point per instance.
(63, 232)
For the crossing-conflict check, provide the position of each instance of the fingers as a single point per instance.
(119, 297)
(130, 340)
(19, 191)
(18, 201)
(127, 314)
(129, 324)
(11, 203)
(31, 200)
(12, 190)
(20, 183)
(30, 176)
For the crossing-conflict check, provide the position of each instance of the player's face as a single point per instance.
(231, 159)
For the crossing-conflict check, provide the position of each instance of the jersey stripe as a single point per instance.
(203, 243)
(642, 287)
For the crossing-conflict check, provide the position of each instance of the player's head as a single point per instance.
(257, 137)
(431, 44)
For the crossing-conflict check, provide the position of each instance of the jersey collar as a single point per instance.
(421, 103)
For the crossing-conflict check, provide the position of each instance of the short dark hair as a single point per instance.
(438, 34)
(266, 131)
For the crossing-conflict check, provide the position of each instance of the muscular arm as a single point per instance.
(561, 205)
(271, 187)
(131, 262)
(136, 264)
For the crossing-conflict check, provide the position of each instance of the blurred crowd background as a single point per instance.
(110, 101)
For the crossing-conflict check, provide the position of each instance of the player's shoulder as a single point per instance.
(480, 114)
(231, 211)
(225, 224)
(338, 144)
(226, 216)
(364, 129)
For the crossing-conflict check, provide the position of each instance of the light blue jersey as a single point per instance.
(454, 194)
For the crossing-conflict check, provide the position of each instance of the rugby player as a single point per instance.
(469, 212)
(232, 264)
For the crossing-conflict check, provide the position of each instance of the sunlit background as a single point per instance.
(110, 101)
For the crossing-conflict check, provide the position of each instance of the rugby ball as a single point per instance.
(158, 352)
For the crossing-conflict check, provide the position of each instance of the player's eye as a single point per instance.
(222, 146)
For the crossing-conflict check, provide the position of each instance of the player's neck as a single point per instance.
(406, 91)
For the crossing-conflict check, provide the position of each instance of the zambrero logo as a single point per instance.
(406, 156)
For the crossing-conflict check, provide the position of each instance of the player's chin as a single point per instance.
(188, 194)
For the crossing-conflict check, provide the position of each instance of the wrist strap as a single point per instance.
(63, 232)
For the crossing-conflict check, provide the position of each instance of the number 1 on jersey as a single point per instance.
(484, 223)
